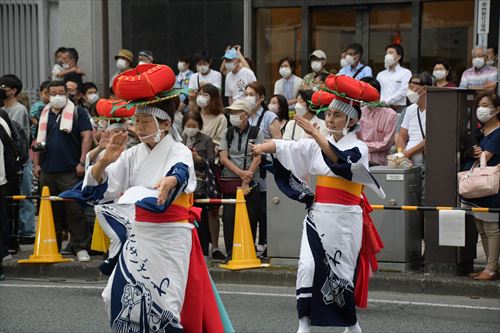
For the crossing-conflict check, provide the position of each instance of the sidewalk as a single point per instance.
(413, 282)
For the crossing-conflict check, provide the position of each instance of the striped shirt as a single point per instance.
(478, 78)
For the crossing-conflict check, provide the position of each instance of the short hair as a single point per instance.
(372, 82)
(73, 77)
(215, 106)
(203, 56)
(73, 53)
(399, 50)
(192, 115)
(61, 49)
(356, 47)
(290, 60)
(425, 79)
(283, 104)
(57, 83)
(44, 85)
(494, 99)
(306, 95)
(258, 87)
(479, 47)
(495, 49)
(186, 59)
(12, 81)
(445, 64)
(88, 85)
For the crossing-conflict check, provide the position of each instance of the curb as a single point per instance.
(282, 276)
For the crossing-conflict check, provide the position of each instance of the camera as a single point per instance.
(39, 147)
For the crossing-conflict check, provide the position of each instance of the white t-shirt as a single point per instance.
(236, 83)
(410, 122)
(213, 77)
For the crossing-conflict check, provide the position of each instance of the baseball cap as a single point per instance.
(231, 54)
(240, 105)
(318, 54)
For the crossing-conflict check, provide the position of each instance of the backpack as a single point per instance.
(21, 143)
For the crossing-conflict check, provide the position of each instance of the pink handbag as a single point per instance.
(480, 181)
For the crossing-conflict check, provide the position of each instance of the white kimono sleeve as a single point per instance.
(297, 156)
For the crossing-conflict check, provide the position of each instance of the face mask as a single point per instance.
(121, 64)
(92, 98)
(349, 59)
(343, 63)
(203, 69)
(3, 94)
(65, 65)
(141, 63)
(252, 100)
(300, 109)
(273, 107)
(412, 96)
(439, 74)
(490, 62)
(190, 132)
(235, 120)
(202, 101)
(316, 66)
(230, 66)
(58, 101)
(478, 62)
(181, 66)
(285, 71)
(484, 114)
(389, 60)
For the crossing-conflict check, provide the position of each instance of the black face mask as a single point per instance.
(3, 95)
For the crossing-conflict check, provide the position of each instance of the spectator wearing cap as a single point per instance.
(182, 80)
(318, 63)
(480, 75)
(145, 57)
(239, 163)
(237, 78)
(394, 79)
(377, 128)
(355, 68)
(204, 74)
(245, 62)
(124, 59)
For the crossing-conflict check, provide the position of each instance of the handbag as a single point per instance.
(480, 181)
(227, 186)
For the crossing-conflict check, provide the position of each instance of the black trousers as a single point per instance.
(253, 207)
(67, 215)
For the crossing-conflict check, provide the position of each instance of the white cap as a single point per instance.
(318, 54)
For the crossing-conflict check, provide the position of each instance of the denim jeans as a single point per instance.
(27, 208)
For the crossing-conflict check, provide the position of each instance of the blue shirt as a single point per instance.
(64, 149)
(349, 71)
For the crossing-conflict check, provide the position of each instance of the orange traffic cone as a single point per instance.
(45, 250)
(244, 255)
(100, 242)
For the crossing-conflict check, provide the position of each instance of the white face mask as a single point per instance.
(490, 62)
(121, 64)
(389, 60)
(484, 113)
(439, 74)
(316, 66)
(190, 132)
(65, 65)
(235, 119)
(202, 101)
(343, 63)
(412, 96)
(285, 71)
(230, 66)
(58, 101)
(349, 59)
(181, 66)
(300, 109)
(478, 62)
(273, 107)
(203, 69)
(92, 98)
(252, 100)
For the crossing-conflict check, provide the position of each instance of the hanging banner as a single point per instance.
(483, 17)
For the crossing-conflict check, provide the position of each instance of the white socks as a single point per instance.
(304, 325)
(353, 329)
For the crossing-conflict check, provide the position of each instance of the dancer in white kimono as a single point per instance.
(337, 221)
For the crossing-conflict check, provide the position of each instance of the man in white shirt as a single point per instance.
(237, 78)
(394, 79)
(204, 74)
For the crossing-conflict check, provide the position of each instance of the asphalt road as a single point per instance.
(75, 306)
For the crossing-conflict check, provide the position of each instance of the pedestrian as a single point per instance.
(37, 107)
(90, 96)
(237, 77)
(354, 67)
(59, 63)
(289, 83)
(279, 105)
(64, 138)
(244, 62)
(343, 60)
(241, 169)
(318, 63)
(480, 75)
(204, 74)
(492, 59)
(145, 57)
(182, 81)
(303, 109)
(394, 79)
(336, 226)
(441, 71)
(124, 59)
(488, 114)
(377, 126)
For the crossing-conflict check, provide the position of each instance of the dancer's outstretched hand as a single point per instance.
(115, 147)
(309, 128)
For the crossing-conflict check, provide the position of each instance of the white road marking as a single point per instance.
(248, 293)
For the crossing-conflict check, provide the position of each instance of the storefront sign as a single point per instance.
(483, 17)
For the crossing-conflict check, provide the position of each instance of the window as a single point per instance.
(277, 35)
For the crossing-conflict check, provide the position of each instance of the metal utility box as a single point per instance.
(401, 231)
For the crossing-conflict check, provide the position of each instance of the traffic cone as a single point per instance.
(100, 242)
(244, 255)
(45, 250)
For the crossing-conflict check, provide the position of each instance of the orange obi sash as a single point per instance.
(178, 211)
(336, 190)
